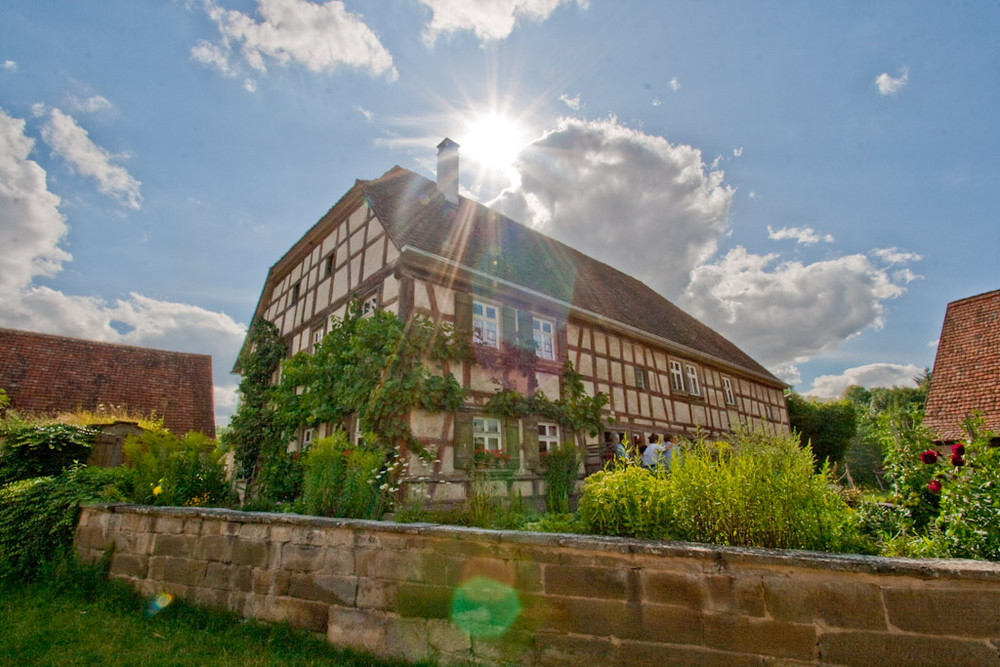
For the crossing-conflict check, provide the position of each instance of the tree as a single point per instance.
(827, 426)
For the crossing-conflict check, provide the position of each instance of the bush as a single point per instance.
(561, 469)
(42, 450)
(177, 471)
(340, 480)
(38, 517)
(626, 501)
(759, 490)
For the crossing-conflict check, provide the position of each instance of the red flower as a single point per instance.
(929, 457)
(934, 486)
(957, 450)
(957, 460)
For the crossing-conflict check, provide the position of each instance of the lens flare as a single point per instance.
(159, 603)
(483, 607)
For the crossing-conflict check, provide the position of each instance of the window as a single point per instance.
(307, 438)
(329, 267)
(486, 434)
(548, 437)
(543, 332)
(317, 338)
(485, 324)
(640, 378)
(676, 376)
(727, 386)
(767, 412)
(296, 288)
(693, 386)
(369, 305)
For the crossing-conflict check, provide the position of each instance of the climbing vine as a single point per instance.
(372, 366)
(253, 432)
(574, 409)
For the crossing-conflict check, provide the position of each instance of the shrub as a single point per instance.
(759, 489)
(340, 480)
(43, 450)
(561, 469)
(626, 501)
(38, 517)
(177, 471)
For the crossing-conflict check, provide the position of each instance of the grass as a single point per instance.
(77, 617)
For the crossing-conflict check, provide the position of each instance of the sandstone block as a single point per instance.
(128, 565)
(377, 594)
(359, 629)
(726, 632)
(302, 557)
(969, 612)
(168, 525)
(420, 601)
(840, 604)
(646, 654)
(324, 588)
(176, 545)
(218, 548)
(880, 648)
(592, 582)
(250, 552)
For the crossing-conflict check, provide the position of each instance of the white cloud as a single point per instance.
(72, 143)
(33, 227)
(888, 85)
(737, 152)
(867, 376)
(90, 104)
(319, 37)
(31, 224)
(635, 201)
(785, 313)
(657, 102)
(488, 19)
(365, 112)
(675, 85)
(572, 102)
(803, 235)
(10, 65)
(896, 256)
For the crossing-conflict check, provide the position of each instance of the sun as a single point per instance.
(494, 141)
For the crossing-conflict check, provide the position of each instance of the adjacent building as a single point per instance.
(406, 244)
(966, 375)
(52, 374)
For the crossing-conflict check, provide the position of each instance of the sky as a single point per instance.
(814, 180)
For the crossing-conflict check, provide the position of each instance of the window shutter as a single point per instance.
(530, 448)
(512, 441)
(463, 315)
(526, 338)
(462, 444)
(507, 320)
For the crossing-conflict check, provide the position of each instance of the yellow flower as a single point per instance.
(157, 490)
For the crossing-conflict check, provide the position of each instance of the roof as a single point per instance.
(49, 374)
(474, 236)
(966, 373)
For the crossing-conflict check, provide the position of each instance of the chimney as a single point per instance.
(447, 172)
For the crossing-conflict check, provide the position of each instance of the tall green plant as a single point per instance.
(177, 471)
(560, 469)
(345, 481)
(627, 501)
(253, 433)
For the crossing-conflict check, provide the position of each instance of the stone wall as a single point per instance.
(494, 597)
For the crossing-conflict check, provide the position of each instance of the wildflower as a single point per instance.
(157, 490)
(957, 450)
(934, 486)
(929, 457)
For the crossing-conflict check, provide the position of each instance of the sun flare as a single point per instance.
(494, 141)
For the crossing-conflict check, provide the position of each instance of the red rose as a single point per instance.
(934, 486)
(957, 460)
(957, 450)
(929, 457)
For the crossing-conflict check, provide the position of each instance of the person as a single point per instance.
(621, 452)
(653, 454)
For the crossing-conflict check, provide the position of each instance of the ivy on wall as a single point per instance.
(372, 367)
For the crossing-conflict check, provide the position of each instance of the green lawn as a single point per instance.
(89, 621)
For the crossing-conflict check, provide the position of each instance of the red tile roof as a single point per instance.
(45, 373)
(966, 374)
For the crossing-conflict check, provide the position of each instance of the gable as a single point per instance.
(50, 374)
(966, 373)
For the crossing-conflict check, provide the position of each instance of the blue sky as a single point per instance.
(814, 180)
